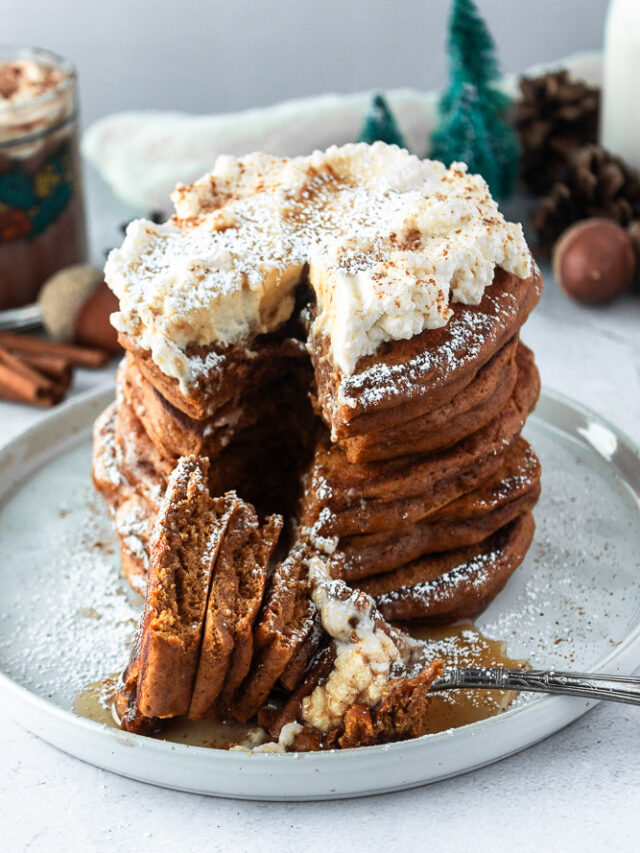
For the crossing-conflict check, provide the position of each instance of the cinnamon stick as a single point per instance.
(25, 384)
(58, 370)
(45, 401)
(55, 367)
(75, 355)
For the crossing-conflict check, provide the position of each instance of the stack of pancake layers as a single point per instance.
(407, 473)
(423, 483)
(418, 475)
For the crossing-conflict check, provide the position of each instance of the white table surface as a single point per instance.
(578, 790)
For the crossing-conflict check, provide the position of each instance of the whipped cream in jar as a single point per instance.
(42, 219)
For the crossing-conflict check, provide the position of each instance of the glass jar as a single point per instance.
(620, 115)
(42, 219)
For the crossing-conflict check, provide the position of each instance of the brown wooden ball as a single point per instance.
(92, 326)
(594, 261)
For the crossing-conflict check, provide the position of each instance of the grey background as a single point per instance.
(224, 55)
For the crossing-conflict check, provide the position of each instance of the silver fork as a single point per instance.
(613, 688)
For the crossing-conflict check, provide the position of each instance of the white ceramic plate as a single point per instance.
(66, 617)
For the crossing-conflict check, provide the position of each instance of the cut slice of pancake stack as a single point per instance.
(208, 568)
(217, 634)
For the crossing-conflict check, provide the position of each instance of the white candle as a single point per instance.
(620, 123)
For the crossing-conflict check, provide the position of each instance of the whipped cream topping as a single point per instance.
(34, 96)
(389, 241)
(23, 79)
(365, 654)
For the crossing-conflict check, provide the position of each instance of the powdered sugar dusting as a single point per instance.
(386, 382)
(69, 615)
(472, 573)
(105, 462)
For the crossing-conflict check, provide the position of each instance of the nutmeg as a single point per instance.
(93, 327)
(76, 305)
(594, 261)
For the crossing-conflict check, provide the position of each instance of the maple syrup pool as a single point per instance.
(458, 645)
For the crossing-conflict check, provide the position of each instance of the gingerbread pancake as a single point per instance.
(404, 379)
(276, 718)
(183, 552)
(218, 635)
(442, 588)
(235, 595)
(408, 475)
(176, 434)
(139, 461)
(287, 619)
(343, 500)
(477, 404)
(225, 373)
(252, 583)
(303, 655)
(173, 432)
(134, 520)
(105, 471)
(132, 513)
(510, 491)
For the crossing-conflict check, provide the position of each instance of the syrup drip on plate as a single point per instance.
(457, 645)
(95, 703)
(463, 645)
(96, 700)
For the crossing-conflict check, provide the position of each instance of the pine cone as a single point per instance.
(555, 116)
(596, 184)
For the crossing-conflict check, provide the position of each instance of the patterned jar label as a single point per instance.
(29, 203)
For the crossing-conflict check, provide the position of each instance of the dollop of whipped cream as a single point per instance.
(365, 653)
(24, 79)
(389, 242)
(23, 108)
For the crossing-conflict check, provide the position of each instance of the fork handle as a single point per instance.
(586, 685)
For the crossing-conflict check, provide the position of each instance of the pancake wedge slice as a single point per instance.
(183, 552)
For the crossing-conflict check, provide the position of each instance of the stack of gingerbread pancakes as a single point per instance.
(336, 340)
(431, 509)
(423, 481)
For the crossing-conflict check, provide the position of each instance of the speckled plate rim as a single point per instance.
(310, 776)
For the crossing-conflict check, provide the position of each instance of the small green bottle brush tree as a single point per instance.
(472, 123)
(379, 124)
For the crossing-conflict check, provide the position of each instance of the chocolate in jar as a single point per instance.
(42, 218)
